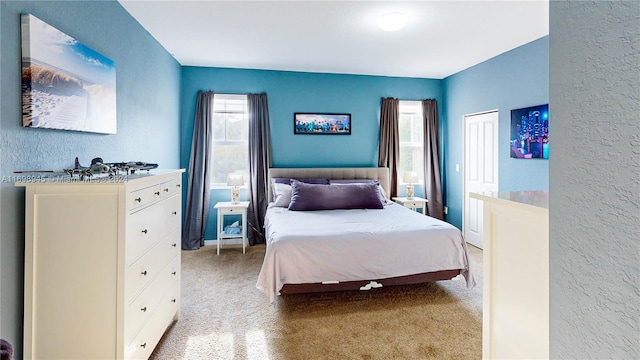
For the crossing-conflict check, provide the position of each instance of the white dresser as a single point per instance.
(102, 265)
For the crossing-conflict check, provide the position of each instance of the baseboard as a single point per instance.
(214, 242)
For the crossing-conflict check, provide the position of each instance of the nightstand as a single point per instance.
(229, 208)
(413, 204)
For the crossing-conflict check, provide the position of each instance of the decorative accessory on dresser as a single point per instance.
(410, 177)
(235, 180)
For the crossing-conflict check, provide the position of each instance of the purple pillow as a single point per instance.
(329, 197)
(381, 192)
(288, 182)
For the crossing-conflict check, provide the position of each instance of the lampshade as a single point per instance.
(410, 177)
(235, 179)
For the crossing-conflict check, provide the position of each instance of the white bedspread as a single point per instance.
(347, 245)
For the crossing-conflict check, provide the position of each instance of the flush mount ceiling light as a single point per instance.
(392, 21)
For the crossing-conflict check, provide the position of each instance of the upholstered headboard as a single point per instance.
(376, 173)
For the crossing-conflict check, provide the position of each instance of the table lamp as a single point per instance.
(235, 180)
(410, 177)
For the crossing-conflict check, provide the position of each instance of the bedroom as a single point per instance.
(149, 109)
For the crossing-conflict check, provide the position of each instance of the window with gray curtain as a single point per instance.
(230, 126)
(411, 139)
(259, 164)
(389, 150)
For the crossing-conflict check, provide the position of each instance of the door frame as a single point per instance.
(464, 161)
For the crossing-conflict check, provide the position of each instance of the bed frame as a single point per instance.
(377, 173)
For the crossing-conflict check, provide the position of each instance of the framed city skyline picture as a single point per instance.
(322, 124)
(65, 84)
(530, 132)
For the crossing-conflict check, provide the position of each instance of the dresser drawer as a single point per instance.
(150, 225)
(144, 342)
(170, 187)
(141, 197)
(140, 310)
(231, 211)
(146, 268)
(413, 204)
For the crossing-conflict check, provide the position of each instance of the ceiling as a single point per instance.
(441, 38)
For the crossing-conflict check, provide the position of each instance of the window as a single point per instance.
(411, 136)
(230, 138)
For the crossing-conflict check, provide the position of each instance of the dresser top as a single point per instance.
(538, 199)
(44, 179)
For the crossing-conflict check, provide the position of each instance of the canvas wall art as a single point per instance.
(530, 132)
(322, 124)
(65, 84)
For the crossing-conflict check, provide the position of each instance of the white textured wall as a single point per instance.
(595, 180)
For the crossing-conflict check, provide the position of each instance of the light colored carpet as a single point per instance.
(224, 316)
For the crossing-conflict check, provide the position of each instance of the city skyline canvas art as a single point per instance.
(530, 132)
(65, 84)
(322, 123)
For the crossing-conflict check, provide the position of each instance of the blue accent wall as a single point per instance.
(516, 79)
(289, 92)
(148, 113)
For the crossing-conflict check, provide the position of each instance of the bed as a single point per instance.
(353, 248)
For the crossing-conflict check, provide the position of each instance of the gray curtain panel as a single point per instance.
(259, 164)
(432, 183)
(199, 174)
(389, 151)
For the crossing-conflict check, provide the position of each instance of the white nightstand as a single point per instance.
(413, 204)
(229, 208)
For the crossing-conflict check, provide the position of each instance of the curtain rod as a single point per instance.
(390, 97)
(229, 93)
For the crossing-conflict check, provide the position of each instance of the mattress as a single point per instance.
(359, 244)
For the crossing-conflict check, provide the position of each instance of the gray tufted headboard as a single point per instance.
(377, 173)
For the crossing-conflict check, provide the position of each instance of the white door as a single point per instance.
(480, 169)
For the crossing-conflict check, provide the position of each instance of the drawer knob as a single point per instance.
(144, 231)
(173, 273)
(144, 273)
(138, 199)
(175, 213)
(174, 245)
(157, 193)
(173, 300)
(178, 185)
(143, 345)
(144, 309)
(166, 189)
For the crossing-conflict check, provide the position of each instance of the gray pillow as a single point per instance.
(281, 194)
(329, 197)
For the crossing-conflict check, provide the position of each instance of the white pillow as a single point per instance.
(282, 194)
